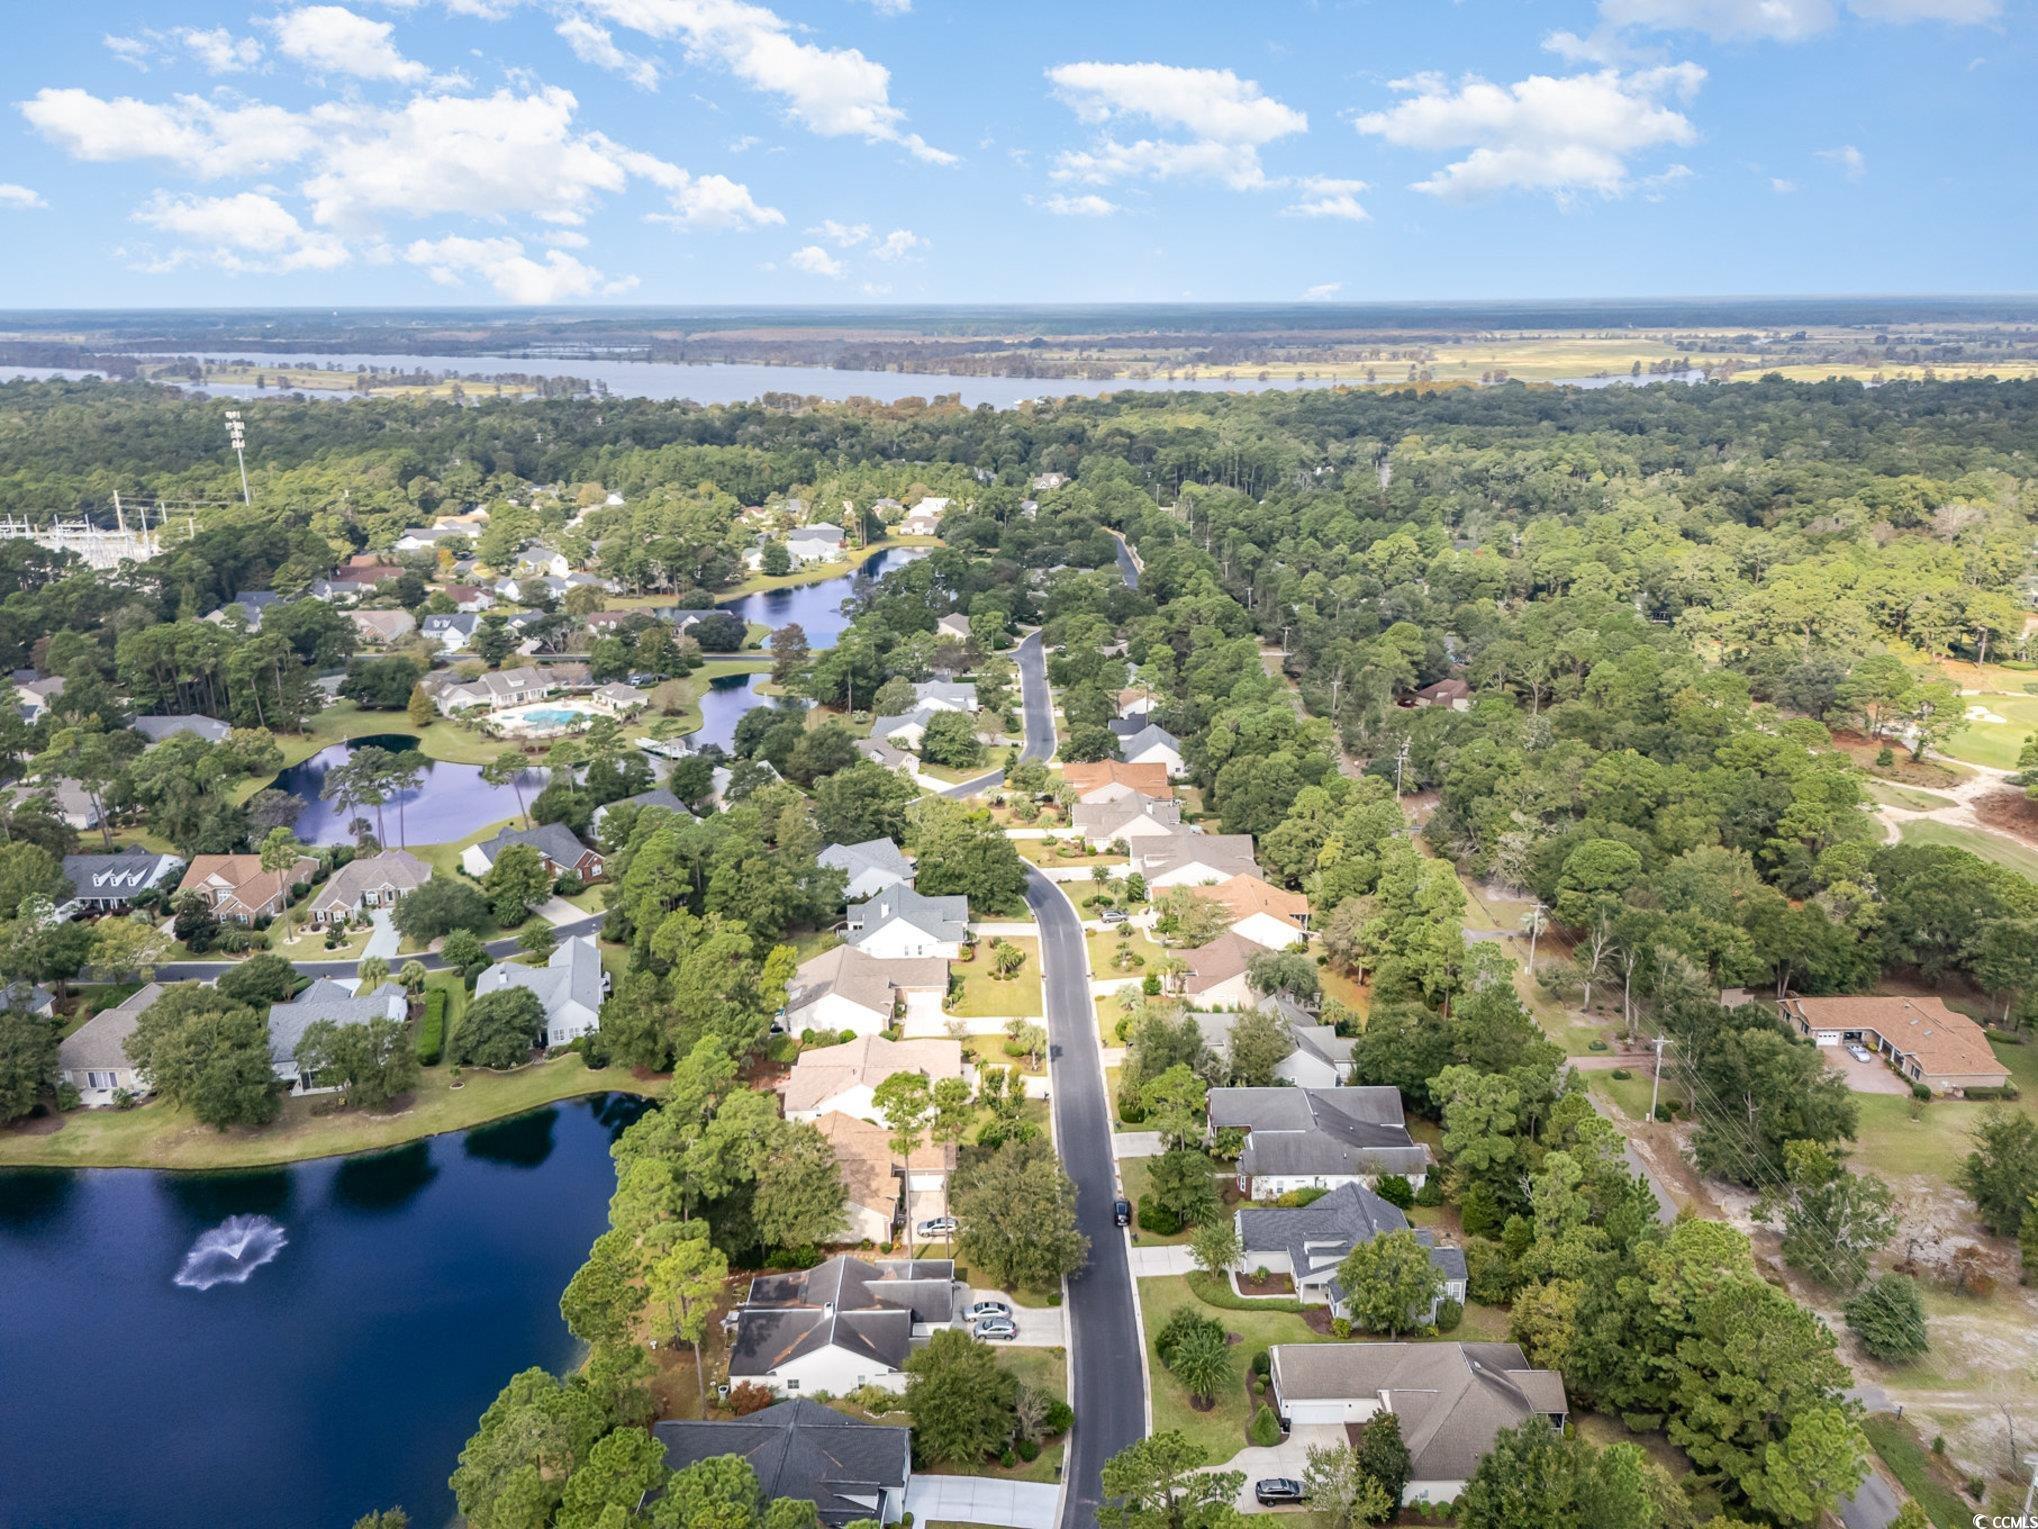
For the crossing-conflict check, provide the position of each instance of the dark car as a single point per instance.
(1273, 1490)
(1121, 1212)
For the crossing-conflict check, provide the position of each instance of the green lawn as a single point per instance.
(1042, 852)
(1995, 743)
(820, 573)
(1909, 1461)
(1991, 847)
(1892, 795)
(1890, 1142)
(1121, 952)
(987, 995)
(996, 757)
(160, 1135)
(1630, 1094)
(1221, 1430)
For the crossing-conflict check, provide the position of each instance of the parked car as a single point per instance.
(1271, 1491)
(1121, 1212)
(976, 1311)
(935, 1228)
(1114, 915)
(1859, 1052)
(995, 1330)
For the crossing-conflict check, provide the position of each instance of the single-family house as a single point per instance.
(428, 538)
(845, 1077)
(1260, 911)
(1130, 818)
(246, 608)
(900, 921)
(845, 990)
(160, 729)
(111, 883)
(380, 628)
(955, 625)
(1451, 1400)
(935, 505)
(1136, 702)
(814, 544)
(868, 868)
(28, 998)
(1308, 1242)
(453, 633)
(846, 1323)
(371, 881)
(1453, 693)
(657, 796)
(1154, 744)
(1189, 859)
(497, 689)
(63, 798)
(555, 844)
(468, 599)
(803, 1451)
(906, 729)
(1047, 483)
(238, 890)
(1318, 1138)
(1921, 1038)
(93, 1058)
(1321, 1058)
(34, 693)
(1112, 780)
(880, 1196)
(1215, 975)
(890, 755)
(945, 695)
(541, 561)
(618, 699)
(329, 1000)
(570, 987)
(919, 522)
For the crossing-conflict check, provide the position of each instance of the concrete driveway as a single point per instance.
(1870, 1077)
(982, 1500)
(1039, 1326)
(1136, 1144)
(1288, 1458)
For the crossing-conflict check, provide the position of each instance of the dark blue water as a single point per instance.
(817, 607)
(344, 1375)
(453, 801)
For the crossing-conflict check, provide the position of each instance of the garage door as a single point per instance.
(1300, 1413)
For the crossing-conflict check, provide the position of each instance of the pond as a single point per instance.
(452, 802)
(399, 1292)
(817, 607)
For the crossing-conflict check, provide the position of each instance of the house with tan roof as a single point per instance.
(1189, 859)
(237, 889)
(1130, 818)
(1921, 1038)
(370, 881)
(1452, 1400)
(380, 628)
(1111, 780)
(846, 1077)
(1216, 973)
(845, 989)
(93, 1058)
(880, 1197)
(1260, 911)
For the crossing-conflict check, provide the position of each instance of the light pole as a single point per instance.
(237, 437)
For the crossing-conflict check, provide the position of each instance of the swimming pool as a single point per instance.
(541, 717)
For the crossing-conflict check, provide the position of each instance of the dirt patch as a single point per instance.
(2009, 811)
(1905, 771)
(41, 1123)
(1273, 1284)
(1318, 1318)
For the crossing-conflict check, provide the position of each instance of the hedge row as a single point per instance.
(432, 1028)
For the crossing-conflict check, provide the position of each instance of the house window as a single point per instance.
(106, 1080)
(792, 1385)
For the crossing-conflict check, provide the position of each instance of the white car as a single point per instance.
(979, 1310)
(936, 1228)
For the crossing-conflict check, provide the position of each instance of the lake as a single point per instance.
(817, 607)
(343, 1375)
(452, 802)
(712, 382)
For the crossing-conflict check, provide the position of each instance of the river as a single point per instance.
(343, 1375)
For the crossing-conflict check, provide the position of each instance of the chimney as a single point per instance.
(828, 1310)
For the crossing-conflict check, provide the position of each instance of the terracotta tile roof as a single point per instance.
(1944, 1042)
(1147, 779)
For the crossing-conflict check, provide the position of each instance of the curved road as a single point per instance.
(208, 971)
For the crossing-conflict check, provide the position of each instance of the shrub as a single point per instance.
(1449, 1315)
(569, 884)
(1060, 1418)
(1296, 1198)
(783, 1049)
(1157, 1218)
(1007, 1459)
(1395, 1191)
(1263, 1363)
(1340, 1327)
(1431, 1193)
(746, 1397)
(1620, 1075)
(1266, 1428)
(1027, 1450)
(1150, 985)
(432, 1028)
(1921, 1093)
(1667, 1111)
(1888, 1318)
(1596, 1044)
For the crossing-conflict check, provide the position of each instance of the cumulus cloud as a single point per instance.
(202, 138)
(1086, 205)
(1223, 121)
(898, 244)
(242, 233)
(18, 198)
(594, 44)
(219, 51)
(844, 236)
(514, 276)
(330, 39)
(1322, 291)
(715, 203)
(832, 92)
(1852, 162)
(1952, 12)
(129, 50)
(815, 261)
(1561, 135)
(1324, 196)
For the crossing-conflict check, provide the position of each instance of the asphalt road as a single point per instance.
(207, 971)
(1039, 718)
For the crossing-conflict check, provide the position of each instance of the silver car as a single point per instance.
(995, 1330)
(978, 1310)
(935, 1228)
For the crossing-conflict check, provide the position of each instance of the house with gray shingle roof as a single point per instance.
(93, 1058)
(657, 796)
(902, 922)
(1308, 1242)
(945, 695)
(158, 729)
(111, 883)
(1321, 1059)
(570, 987)
(867, 868)
(844, 989)
(554, 842)
(803, 1451)
(330, 1000)
(847, 1323)
(1318, 1138)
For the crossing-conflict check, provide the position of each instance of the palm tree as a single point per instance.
(507, 769)
(1202, 1362)
(404, 773)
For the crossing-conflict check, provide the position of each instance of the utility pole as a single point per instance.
(237, 435)
(1656, 1083)
(1534, 919)
(1400, 760)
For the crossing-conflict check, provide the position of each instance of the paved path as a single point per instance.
(981, 1500)
(385, 941)
(1148, 1262)
(1039, 729)
(1136, 1144)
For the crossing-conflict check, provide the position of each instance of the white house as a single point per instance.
(848, 1323)
(1452, 1400)
(868, 868)
(1318, 1138)
(1189, 859)
(1154, 744)
(1257, 910)
(93, 1057)
(945, 695)
(814, 544)
(846, 1077)
(1308, 1242)
(905, 729)
(844, 989)
(453, 633)
(1321, 1059)
(1216, 975)
(325, 999)
(570, 987)
(901, 922)
(543, 562)
(955, 625)
(556, 846)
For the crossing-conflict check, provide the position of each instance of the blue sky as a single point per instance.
(191, 152)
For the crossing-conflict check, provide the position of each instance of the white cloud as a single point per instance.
(715, 202)
(219, 51)
(844, 236)
(330, 39)
(815, 261)
(129, 50)
(1722, 20)
(1087, 205)
(1952, 12)
(18, 198)
(593, 44)
(892, 7)
(898, 244)
(241, 233)
(1781, 186)
(204, 139)
(832, 92)
(1227, 121)
(1326, 197)
(1852, 162)
(1322, 291)
(503, 265)
(1561, 135)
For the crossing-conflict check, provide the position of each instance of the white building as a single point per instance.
(570, 987)
(845, 1078)
(901, 922)
(845, 990)
(848, 1323)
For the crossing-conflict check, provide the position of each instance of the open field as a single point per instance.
(312, 379)
(1987, 741)
(1992, 847)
